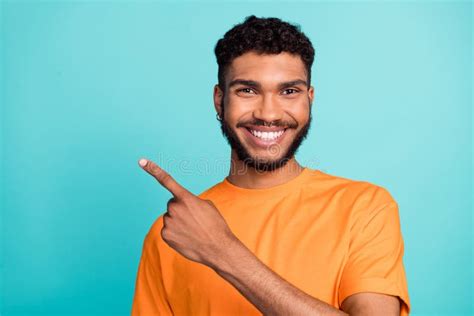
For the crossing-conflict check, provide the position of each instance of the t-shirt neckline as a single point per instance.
(295, 182)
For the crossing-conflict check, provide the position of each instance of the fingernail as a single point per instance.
(142, 162)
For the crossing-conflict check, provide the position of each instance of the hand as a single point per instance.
(192, 226)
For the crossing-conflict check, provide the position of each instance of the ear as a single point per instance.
(311, 94)
(218, 98)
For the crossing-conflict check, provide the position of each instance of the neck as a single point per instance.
(249, 178)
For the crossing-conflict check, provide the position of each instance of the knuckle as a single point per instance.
(171, 207)
(164, 233)
(152, 168)
(164, 177)
(170, 202)
(171, 212)
(165, 218)
(185, 197)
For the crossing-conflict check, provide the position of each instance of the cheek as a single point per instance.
(237, 110)
(299, 112)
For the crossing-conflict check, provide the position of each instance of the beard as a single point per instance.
(263, 165)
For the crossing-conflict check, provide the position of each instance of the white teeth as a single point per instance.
(267, 135)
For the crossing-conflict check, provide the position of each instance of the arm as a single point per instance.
(150, 297)
(367, 303)
(271, 294)
(373, 281)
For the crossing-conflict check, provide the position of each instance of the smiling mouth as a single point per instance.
(267, 136)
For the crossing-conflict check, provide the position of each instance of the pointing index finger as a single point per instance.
(164, 178)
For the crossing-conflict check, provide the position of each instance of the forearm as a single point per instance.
(265, 289)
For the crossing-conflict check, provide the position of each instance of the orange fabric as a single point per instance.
(329, 236)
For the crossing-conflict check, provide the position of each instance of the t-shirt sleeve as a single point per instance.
(375, 260)
(150, 296)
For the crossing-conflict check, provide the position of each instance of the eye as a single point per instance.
(291, 89)
(244, 90)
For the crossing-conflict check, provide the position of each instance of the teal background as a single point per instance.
(89, 87)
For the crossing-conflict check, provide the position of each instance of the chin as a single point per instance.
(266, 166)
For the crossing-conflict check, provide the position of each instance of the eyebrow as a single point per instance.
(256, 84)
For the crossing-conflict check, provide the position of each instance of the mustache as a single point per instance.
(263, 123)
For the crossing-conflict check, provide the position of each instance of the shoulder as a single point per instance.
(351, 189)
(358, 200)
(153, 237)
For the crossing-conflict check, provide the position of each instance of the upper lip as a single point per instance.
(265, 128)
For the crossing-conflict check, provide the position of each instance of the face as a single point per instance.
(266, 108)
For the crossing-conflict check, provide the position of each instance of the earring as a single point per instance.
(218, 117)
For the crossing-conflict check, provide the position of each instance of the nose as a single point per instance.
(268, 110)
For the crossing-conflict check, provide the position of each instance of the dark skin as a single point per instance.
(195, 228)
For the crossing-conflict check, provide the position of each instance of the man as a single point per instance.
(273, 237)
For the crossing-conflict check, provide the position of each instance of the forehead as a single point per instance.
(267, 68)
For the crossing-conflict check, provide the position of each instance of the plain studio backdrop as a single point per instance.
(89, 87)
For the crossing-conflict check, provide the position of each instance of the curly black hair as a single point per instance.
(264, 36)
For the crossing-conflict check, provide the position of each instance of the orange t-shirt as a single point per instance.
(329, 236)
